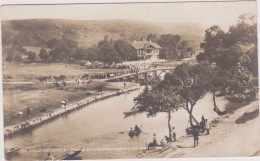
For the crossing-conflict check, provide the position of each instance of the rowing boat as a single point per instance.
(69, 156)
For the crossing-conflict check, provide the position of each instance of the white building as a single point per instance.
(146, 49)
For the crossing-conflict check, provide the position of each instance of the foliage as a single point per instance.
(44, 55)
(157, 101)
(238, 46)
(173, 47)
(62, 49)
(31, 56)
(125, 50)
(9, 58)
(18, 57)
(152, 37)
(106, 52)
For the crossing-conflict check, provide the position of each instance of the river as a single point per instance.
(102, 125)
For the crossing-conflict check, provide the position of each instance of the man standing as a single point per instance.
(207, 127)
(29, 111)
(50, 157)
(173, 134)
(196, 137)
(154, 139)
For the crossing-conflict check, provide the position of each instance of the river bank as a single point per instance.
(233, 135)
(101, 130)
(58, 111)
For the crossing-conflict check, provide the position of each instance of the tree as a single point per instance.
(18, 57)
(31, 56)
(152, 37)
(156, 101)
(125, 50)
(62, 49)
(92, 54)
(57, 55)
(68, 47)
(44, 55)
(169, 45)
(80, 54)
(173, 47)
(106, 53)
(9, 58)
(190, 83)
(238, 85)
(53, 43)
(237, 46)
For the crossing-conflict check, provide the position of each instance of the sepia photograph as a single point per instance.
(130, 80)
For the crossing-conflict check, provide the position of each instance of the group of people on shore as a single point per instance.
(205, 125)
(167, 139)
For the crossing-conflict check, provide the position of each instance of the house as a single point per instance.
(146, 49)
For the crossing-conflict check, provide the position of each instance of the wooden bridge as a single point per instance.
(136, 76)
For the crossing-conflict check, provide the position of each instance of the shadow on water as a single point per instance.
(247, 116)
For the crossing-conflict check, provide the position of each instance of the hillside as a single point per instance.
(36, 32)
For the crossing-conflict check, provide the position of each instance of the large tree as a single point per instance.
(238, 46)
(157, 101)
(125, 50)
(62, 49)
(173, 47)
(190, 83)
(106, 52)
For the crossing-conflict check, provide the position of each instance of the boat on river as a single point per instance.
(69, 156)
(131, 113)
(12, 151)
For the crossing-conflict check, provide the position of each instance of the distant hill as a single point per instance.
(36, 32)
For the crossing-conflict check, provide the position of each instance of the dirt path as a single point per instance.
(235, 135)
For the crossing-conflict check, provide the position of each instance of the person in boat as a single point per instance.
(137, 129)
(131, 132)
(50, 157)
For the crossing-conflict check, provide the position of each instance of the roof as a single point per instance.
(144, 44)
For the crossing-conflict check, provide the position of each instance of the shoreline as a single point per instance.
(32, 122)
(223, 129)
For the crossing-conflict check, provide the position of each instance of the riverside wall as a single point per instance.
(9, 130)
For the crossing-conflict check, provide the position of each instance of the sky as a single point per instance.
(223, 14)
